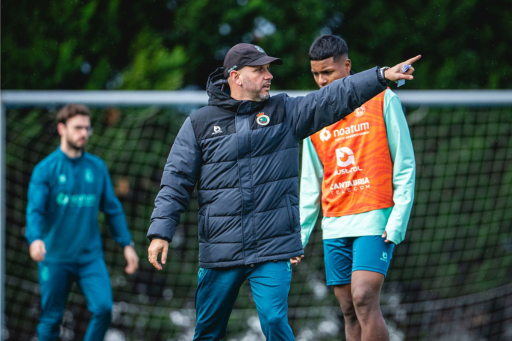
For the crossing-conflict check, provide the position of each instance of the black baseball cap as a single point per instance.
(243, 54)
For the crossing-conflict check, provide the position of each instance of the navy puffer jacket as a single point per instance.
(244, 157)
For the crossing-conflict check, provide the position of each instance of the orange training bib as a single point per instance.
(357, 165)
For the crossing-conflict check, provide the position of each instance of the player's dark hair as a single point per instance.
(72, 110)
(328, 46)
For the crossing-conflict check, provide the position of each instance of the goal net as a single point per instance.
(449, 280)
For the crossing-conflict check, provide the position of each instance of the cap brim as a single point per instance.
(265, 60)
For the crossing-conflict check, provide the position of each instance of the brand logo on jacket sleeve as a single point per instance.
(262, 119)
(216, 130)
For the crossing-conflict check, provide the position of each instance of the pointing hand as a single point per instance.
(395, 73)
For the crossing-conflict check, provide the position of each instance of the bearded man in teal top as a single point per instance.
(66, 191)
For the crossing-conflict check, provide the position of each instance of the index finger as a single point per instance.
(163, 258)
(412, 60)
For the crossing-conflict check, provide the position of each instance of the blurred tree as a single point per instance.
(174, 44)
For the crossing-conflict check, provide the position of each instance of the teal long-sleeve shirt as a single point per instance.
(64, 199)
(393, 220)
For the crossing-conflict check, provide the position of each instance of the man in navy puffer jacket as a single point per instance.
(242, 150)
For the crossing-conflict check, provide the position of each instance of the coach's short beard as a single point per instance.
(74, 146)
(263, 96)
(256, 94)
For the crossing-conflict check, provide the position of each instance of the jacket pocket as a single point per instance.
(200, 227)
(206, 226)
(202, 222)
(290, 213)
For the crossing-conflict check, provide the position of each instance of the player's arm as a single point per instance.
(404, 168)
(312, 174)
(321, 108)
(178, 181)
(310, 193)
(38, 193)
(116, 219)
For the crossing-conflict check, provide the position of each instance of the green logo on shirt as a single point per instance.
(200, 273)
(45, 273)
(76, 200)
(89, 177)
(62, 199)
(62, 179)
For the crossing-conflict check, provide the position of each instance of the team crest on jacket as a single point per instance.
(360, 111)
(262, 119)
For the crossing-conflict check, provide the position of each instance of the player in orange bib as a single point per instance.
(361, 169)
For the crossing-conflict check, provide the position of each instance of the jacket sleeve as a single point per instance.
(404, 167)
(308, 114)
(310, 189)
(178, 181)
(38, 192)
(114, 212)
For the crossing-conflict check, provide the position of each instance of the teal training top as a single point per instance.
(64, 198)
(393, 220)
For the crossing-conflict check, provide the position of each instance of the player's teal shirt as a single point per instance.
(394, 219)
(64, 198)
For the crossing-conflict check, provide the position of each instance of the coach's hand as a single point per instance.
(37, 250)
(132, 260)
(395, 73)
(157, 246)
(296, 260)
(386, 240)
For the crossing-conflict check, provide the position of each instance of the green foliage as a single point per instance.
(154, 67)
(173, 44)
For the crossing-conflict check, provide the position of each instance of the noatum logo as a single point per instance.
(352, 129)
(325, 135)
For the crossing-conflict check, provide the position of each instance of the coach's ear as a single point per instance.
(236, 77)
(61, 128)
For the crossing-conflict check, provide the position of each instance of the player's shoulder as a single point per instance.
(48, 161)
(389, 95)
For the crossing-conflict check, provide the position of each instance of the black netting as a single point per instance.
(449, 280)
